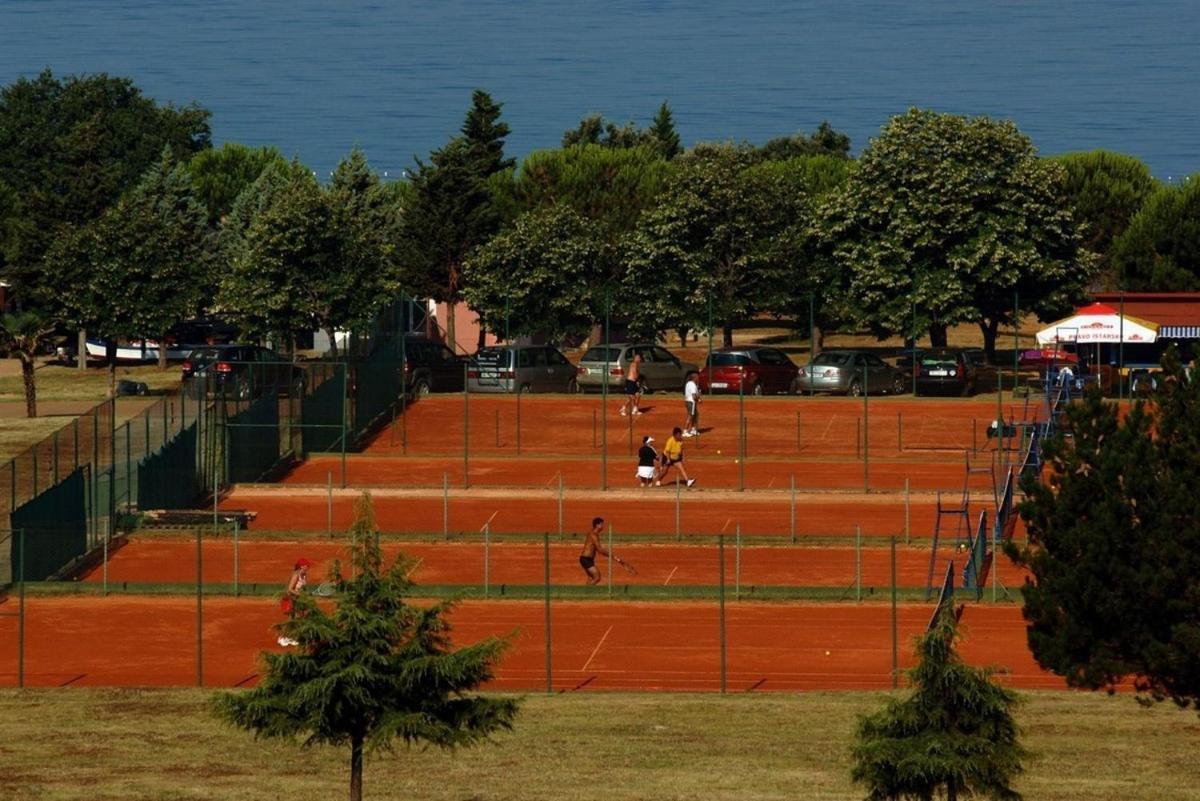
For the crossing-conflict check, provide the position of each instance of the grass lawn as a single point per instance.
(62, 383)
(16, 435)
(162, 744)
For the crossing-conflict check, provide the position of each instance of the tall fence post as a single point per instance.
(199, 608)
(858, 563)
(445, 505)
(895, 639)
(721, 603)
(907, 510)
(467, 430)
(237, 528)
(792, 508)
(560, 503)
(866, 433)
(678, 529)
(21, 610)
(737, 563)
(487, 558)
(546, 591)
(610, 559)
(329, 503)
(519, 394)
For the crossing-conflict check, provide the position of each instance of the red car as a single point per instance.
(753, 371)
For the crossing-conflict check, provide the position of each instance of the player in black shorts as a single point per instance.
(591, 547)
(633, 387)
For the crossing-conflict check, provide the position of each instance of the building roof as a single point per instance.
(1177, 313)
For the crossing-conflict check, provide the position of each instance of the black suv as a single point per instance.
(242, 372)
(432, 367)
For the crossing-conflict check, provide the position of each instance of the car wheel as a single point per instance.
(526, 387)
(898, 385)
(855, 389)
(421, 388)
(757, 390)
(572, 387)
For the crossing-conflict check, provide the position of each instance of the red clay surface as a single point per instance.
(150, 560)
(633, 512)
(125, 641)
(818, 443)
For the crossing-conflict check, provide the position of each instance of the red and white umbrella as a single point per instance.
(1095, 324)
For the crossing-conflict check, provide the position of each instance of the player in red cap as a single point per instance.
(296, 585)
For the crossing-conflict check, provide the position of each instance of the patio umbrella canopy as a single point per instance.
(1097, 323)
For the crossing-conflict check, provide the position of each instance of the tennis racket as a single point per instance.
(324, 590)
(630, 569)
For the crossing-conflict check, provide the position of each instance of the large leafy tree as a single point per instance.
(372, 670)
(954, 734)
(1160, 250)
(1114, 544)
(223, 173)
(142, 266)
(539, 277)
(949, 216)
(708, 250)
(68, 149)
(1106, 190)
(451, 210)
(303, 257)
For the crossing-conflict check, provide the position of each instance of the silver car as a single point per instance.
(661, 370)
(528, 368)
(844, 371)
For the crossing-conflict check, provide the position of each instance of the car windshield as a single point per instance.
(206, 355)
(601, 353)
(493, 357)
(727, 360)
(939, 361)
(832, 358)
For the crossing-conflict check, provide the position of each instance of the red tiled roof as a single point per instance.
(1164, 308)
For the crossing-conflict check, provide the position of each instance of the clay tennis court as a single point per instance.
(151, 641)
(153, 560)
(775, 426)
(284, 509)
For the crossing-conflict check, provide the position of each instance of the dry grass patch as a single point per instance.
(141, 744)
(61, 383)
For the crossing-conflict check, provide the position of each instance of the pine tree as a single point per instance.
(955, 733)
(1114, 543)
(373, 670)
(663, 134)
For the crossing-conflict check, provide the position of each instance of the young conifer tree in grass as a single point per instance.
(954, 735)
(373, 669)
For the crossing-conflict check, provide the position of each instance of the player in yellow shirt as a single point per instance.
(672, 455)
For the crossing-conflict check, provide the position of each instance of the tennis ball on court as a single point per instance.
(718, 451)
(735, 461)
(826, 653)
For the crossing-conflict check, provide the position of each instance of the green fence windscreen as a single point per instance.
(55, 526)
(322, 409)
(252, 439)
(167, 478)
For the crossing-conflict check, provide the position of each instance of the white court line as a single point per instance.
(489, 521)
(828, 425)
(414, 567)
(597, 649)
(671, 576)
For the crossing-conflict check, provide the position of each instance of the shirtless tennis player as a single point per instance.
(591, 547)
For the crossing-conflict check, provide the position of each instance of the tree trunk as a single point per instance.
(481, 341)
(30, 386)
(333, 348)
(356, 759)
(110, 353)
(937, 335)
(451, 338)
(816, 340)
(727, 335)
(162, 352)
(989, 328)
(951, 790)
(683, 335)
(81, 351)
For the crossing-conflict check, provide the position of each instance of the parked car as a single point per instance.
(753, 371)
(243, 371)
(660, 370)
(432, 367)
(842, 371)
(948, 370)
(527, 368)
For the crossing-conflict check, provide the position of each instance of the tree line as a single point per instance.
(118, 216)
